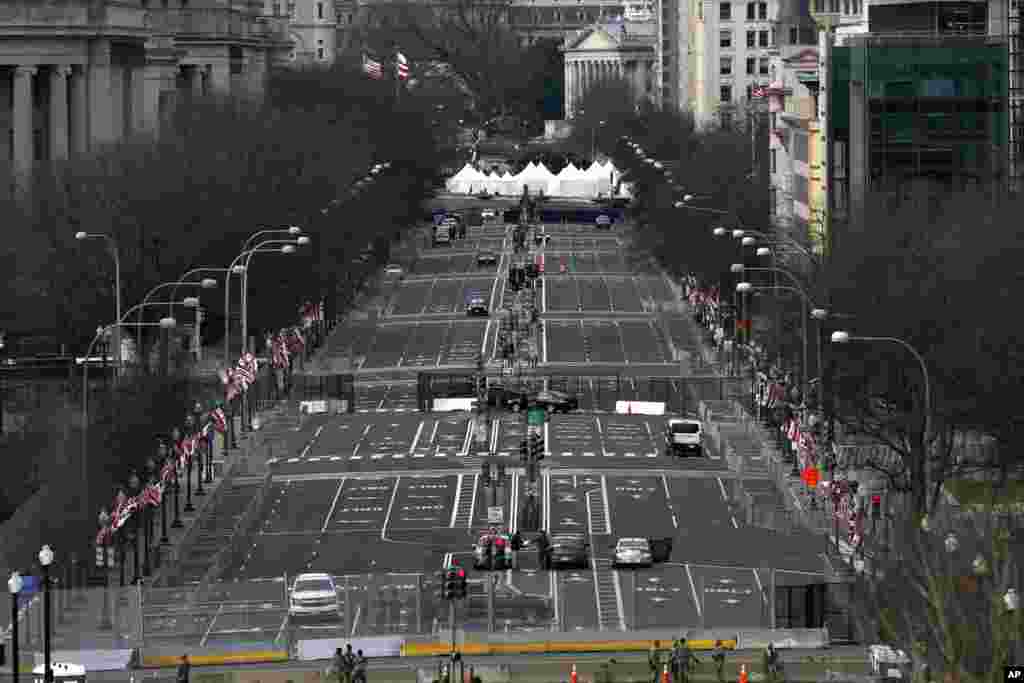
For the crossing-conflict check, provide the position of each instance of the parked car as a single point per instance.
(488, 213)
(487, 258)
(393, 269)
(569, 550)
(313, 596)
(556, 401)
(684, 437)
(633, 552)
(477, 306)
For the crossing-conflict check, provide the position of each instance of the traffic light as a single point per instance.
(876, 507)
(451, 583)
(462, 585)
(536, 447)
(524, 451)
(441, 575)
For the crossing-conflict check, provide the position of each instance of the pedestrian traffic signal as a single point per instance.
(462, 585)
(451, 583)
(441, 576)
(536, 447)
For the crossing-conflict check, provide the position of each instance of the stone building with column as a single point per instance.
(81, 74)
(619, 49)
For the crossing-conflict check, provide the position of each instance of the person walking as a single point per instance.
(771, 663)
(359, 675)
(675, 657)
(337, 666)
(654, 661)
(718, 657)
(184, 670)
(687, 660)
(348, 663)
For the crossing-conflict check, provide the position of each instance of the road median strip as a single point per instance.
(255, 657)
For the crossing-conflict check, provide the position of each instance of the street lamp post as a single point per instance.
(14, 586)
(134, 488)
(177, 523)
(112, 243)
(162, 461)
(105, 623)
(747, 287)
(197, 412)
(287, 247)
(205, 283)
(237, 268)
(149, 512)
(166, 323)
(189, 431)
(45, 560)
(843, 337)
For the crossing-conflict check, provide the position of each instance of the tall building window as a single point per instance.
(774, 162)
(725, 66)
(763, 66)
(751, 66)
(751, 11)
(762, 10)
(277, 9)
(725, 11)
(794, 35)
(725, 94)
(320, 52)
(319, 10)
(558, 16)
(725, 39)
(762, 38)
(751, 38)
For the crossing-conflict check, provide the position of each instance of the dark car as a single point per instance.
(556, 401)
(569, 551)
(487, 258)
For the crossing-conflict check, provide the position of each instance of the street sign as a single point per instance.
(496, 515)
(535, 417)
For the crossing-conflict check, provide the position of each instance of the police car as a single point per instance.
(476, 305)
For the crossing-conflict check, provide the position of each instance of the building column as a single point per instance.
(100, 118)
(220, 77)
(24, 152)
(118, 122)
(59, 140)
(256, 67)
(137, 99)
(79, 112)
(568, 89)
(195, 80)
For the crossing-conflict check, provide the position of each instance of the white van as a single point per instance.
(684, 437)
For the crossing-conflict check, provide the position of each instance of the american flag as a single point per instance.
(757, 92)
(308, 312)
(104, 536)
(320, 310)
(279, 351)
(125, 513)
(220, 422)
(296, 342)
(167, 471)
(402, 67)
(372, 68)
(152, 495)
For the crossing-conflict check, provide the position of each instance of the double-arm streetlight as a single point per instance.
(843, 337)
(112, 243)
(205, 283)
(165, 323)
(240, 266)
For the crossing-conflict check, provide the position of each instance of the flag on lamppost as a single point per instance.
(373, 68)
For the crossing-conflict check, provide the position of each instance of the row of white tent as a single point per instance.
(599, 179)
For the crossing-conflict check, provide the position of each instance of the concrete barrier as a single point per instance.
(789, 639)
(558, 646)
(216, 659)
(640, 407)
(382, 646)
(92, 660)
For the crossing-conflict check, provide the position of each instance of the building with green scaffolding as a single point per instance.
(911, 109)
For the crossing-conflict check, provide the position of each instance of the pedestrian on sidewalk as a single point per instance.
(718, 656)
(360, 664)
(654, 661)
(184, 670)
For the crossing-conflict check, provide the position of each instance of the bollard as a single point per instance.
(572, 675)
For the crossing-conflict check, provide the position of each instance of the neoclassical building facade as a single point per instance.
(620, 49)
(80, 74)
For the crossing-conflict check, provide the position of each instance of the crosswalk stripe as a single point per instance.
(652, 455)
(609, 454)
(589, 454)
(355, 457)
(419, 455)
(398, 456)
(630, 455)
(335, 458)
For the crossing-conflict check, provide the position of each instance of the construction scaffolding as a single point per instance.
(1016, 94)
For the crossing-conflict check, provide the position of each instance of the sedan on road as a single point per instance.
(569, 551)
(556, 401)
(477, 306)
(487, 258)
(633, 552)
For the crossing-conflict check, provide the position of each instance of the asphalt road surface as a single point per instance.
(382, 497)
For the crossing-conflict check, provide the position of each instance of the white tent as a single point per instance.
(460, 181)
(534, 178)
(601, 178)
(577, 183)
(567, 173)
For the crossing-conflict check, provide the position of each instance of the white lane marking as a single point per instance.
(280, 631)
(472, 503)
(447, 561)
(693, 589)
(597, 421)
(494, 434)
(607, 507)
(355, 457)
(566, 453)
(291, 460)
(335, 458)
(318, 430)
(487, 333)
(398, 456)
(377, 456)
(618, 600)
(630, 455)
(433, 433)
(721, 487)
(546, 502)
(547, 441)
(458, 496)
(206, 636)
(544, 341)
(439, 454)
(305, 450)
(589, 454)
(416, 439)
(650, 435)
(735, 524)
(513, 516)
(334, 504)
(360, 442)
(387, 517)
(760, 586)
(469, 433)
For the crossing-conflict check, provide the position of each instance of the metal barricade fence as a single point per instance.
(92, 618)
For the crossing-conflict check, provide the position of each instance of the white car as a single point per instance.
(487, 213)
(685, 437)
(633, 552)
(313, 595)
(393, 269)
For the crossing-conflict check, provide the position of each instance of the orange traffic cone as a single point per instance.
(664, 674)
(572, 675)
(743, 674)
